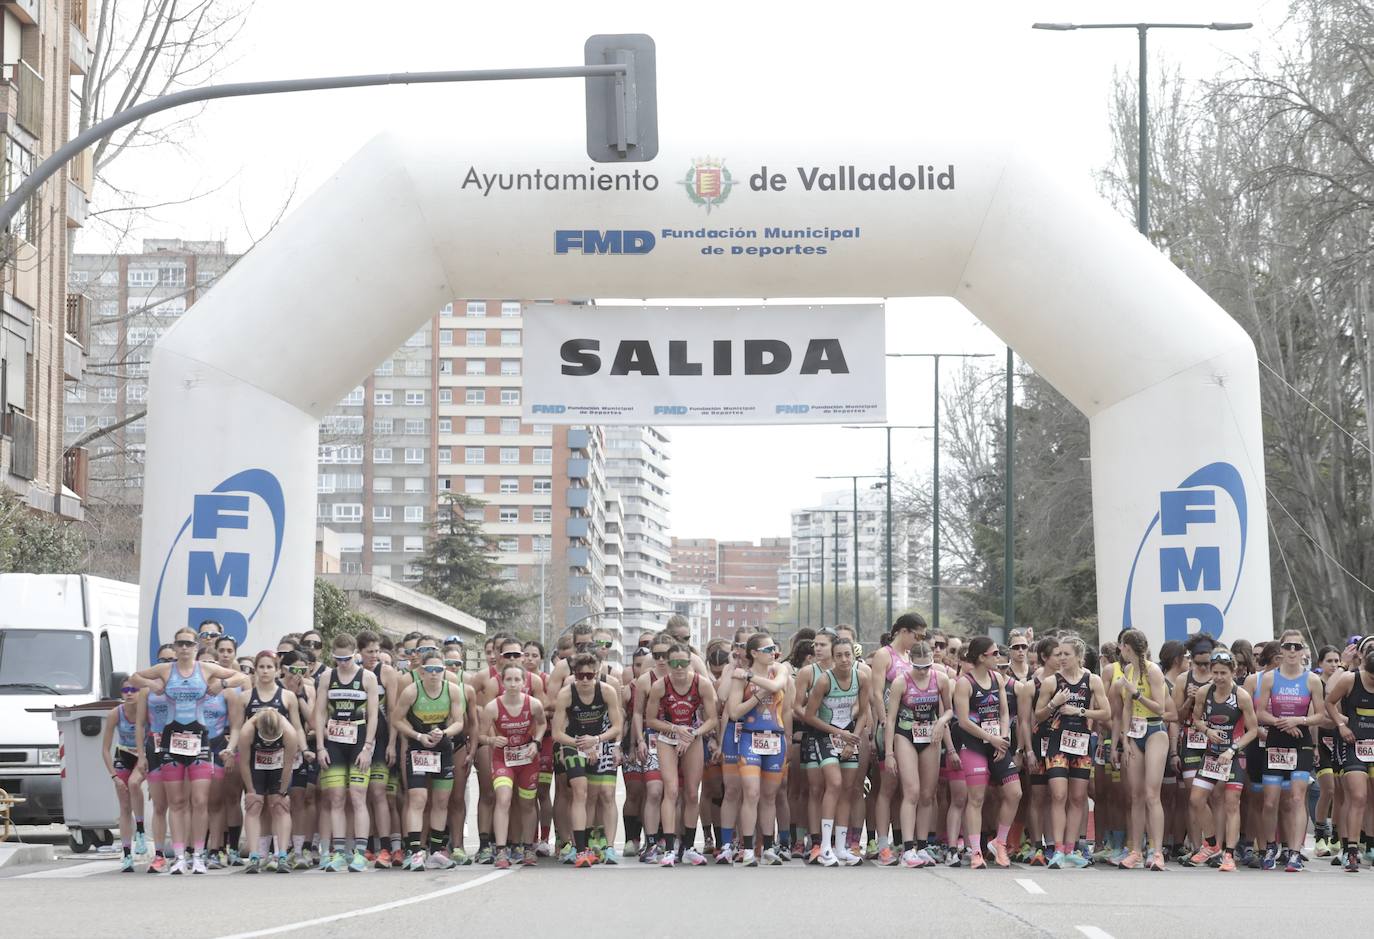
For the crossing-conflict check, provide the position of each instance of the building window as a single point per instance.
(136, 392)
(414, 544)
(542, 544)
(510, 307)
(381, 543)
(415, 484)
(509, 484)
(142, 277)
(415, 513)
(415, 454)
(348, 511)
(475, 396)
(381, 483)
(108, 395)
(476, 337)
(445, 454)
(446, 335)
(510, 337)
(445, 425)
(340, 424)
(75, 393)
(445, 366)
(414, 398)
(474, 455)
(509, 514)
(510, 366)
(323, 510)
(510, 395)
(474, 485)
(509, 573)
(76, 423)
(420, 338)
(382, 398)
(475, 367)
(510, 455)
(381, 513)
(543, 428)
(326, 482)
(172, 275)
(446, 309)
(411, 573)
(415, 427)
(445, 395)
(508, 545)
(386, 368)
(381, 454)
(543, 515)
(475, 425)
(543, 455)
(351, 567)
(381, 425)
(510, 425)
(543, 485)
(475, 514)
(353, 398)
(416, 367)
(477, 308)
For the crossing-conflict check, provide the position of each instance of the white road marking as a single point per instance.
(80, 870)
(1030, 885)
(1092, 932)
(369, 910)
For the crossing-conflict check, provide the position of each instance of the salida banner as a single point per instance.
(704, 365)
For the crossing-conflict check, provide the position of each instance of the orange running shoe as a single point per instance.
(1228, 861)
(1203, 855)
(976, 860)
(815, 856)
(887, 857)
(1131, 861)
(1156, 861)
(1000, 853)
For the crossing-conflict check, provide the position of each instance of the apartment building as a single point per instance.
(820, 531)
(43, 326)
(738, 565)
(637, 469)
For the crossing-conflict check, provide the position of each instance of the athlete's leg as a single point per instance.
(909, 775)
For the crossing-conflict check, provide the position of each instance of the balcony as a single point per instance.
(76, 470)
(578, 469)
(25, 10)
(23, 434)
(579, 498)
(578, 527)
(28, 85)
(76, 343)
(78, 49)
(580, 558)
(578, 438)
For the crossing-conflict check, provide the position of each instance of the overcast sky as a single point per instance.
(725, 71)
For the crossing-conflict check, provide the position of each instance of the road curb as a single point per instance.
(16, 854)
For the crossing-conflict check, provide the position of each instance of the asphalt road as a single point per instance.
(89, 898)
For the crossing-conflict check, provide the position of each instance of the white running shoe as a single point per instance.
(726, 855)
(180, 866)
(771, 857)
(748, 859)
(694, 857)
(828, 859)
(543, 849)
(847, 857)
(669, 859)
(909, 858)
(924, 859)
(198, 864)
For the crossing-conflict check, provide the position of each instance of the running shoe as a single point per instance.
(632, 848)
(235, 859)
(485, 855)
(214, 861)
(1249, 857)
(747, 858)
(975, 860)
(254, 864)
(438, 861)
(337, 862)
(543, 849)
(1075, 859)
(1294, 865)
(299, 862)
(1037, 859)
(324, 863)
(1203, 855)
(501, 860)
(827, 858)
(1271, 858)
(848, 858)
(283, 864)
(726, 854)
(568, 855)
(1368, 854)
(1057, 861)
(269, 864)
(1352, 860)
(198, 864)
(610, 857)
(814, 855)
(359, 862)
(584, 859)
(1228, 862)
(530, 859)
(1103, 853)
(1131, 861)
(1322, 848)
(460, 858)
(126, 866)
(383, 860)
(140, 844)
(999, 853)
(952, 858)
(785, 852)
(771, 857)
(369, 856)
(924, 859)
(693, 857)
(886, 857)
(416, 861)
(908, 858)
(669, 859)
(653, 854)
(181, 865)
(1156, 861)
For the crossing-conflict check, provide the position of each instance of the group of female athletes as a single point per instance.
(941, 751)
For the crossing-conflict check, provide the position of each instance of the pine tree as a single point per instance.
(457, 568)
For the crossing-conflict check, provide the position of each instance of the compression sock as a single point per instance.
(338, 845)
(484, 839)
(1002, 832)
(785, 839)
(438, 840)
(975, 841)
(689, 838)
(235, 832)
(748, 842)
(580, 839)
(727, 836)
(634, 825)
(395, 842)
(412, 841)
(138, 825)
(896, 835)
(827, 830)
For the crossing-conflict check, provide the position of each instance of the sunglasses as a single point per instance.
(603, 643)
(921, 668)
(297, 669)
(511, 655)
(738, 645)
(942, 645)
(128, 689)
(453, 665)
(660, 655)
(586, 676)
(679, 663)
(185, 643)
(308, 644)
(583, 647)
(162, 661)
(1291, 647)
(425, 650)
(453, 639)
(433, 669)
(210, 635)
(768, 650)
(345, 657)
(1020, 647)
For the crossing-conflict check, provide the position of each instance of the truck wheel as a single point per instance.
(102, 837)
(79, 840)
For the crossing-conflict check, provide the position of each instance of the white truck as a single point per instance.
(65, 639)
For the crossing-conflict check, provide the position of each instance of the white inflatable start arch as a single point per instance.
(1167, 378)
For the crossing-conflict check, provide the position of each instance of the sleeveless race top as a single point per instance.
(518, 728)
(839, 704)
(125, 731)
(1288, 697)
(186, 693)
(1224, 716)
(590, 719)
(679, 708)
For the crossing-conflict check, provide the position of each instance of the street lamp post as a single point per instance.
(935, 473)
(857, 616)
(889, 428)
(1142, 209)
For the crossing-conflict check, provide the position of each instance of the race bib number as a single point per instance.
(1282, 758)
(1075, 744)
(767, 744)
(425, 761)
(1364, 749)
(667, 740)
(1196, 740)
(341, 732)
(1138, 727)
(1044, 747)
(1213, 767)
(922, 732)
(992, 727)
(269, 759)
(184, 743)
(521, 756)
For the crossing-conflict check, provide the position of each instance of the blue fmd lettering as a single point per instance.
(1177, 573)
(1180, 617)
(215, 510)
(593, 241)
(1177, 512)
(203, 576)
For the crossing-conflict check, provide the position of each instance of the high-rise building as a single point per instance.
(830, 525)
(637, 469)
(695, 560)
(43, 325)
(738, 565)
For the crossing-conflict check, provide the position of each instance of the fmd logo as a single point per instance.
(548, 408)
(791, 408)
(1196, 546)
(592, 241)
(670, 409)
(218, 565)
